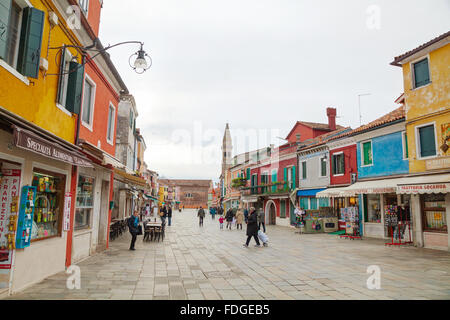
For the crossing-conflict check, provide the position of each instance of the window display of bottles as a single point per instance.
(47, 205)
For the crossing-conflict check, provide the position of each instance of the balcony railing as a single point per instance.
(282, 187)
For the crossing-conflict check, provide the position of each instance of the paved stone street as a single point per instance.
(208, 263)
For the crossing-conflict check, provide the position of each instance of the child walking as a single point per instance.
(221, 220)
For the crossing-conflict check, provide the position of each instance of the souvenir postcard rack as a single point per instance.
(351, 217)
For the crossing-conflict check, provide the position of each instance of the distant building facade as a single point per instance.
(191, 193)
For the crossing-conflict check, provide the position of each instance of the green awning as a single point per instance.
(151, 198)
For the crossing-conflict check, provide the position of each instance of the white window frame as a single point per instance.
(289, 173)
(93, 94)
(413, 76)
(404, 142)
(301, 167)
(362, 153)
(85, 12)
(13, 68)
(337, 154)
(113, 124)
(68, 57)
(320, 167)
(418, 146)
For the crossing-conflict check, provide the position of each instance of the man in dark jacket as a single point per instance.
(220, 211)
(252, 228)
(229, 217)
(169, 215)
(201, 215)
(133, 223)
(246, 215)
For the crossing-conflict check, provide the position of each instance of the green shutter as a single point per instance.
(5, 8)
(248, 173)
(304, 203)
(421, 73)
(427, 141)
(294, 178)
(282, 209)
(342, 163)
(406, 146)
(30, 42)
(367, 153)
(75, 87)
(286, 179)
(304, 170)
(323, 165)
(334, 164)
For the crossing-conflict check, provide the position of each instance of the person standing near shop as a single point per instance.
(163, 214)
(261, 220)
(229, 218)
(213, 213)
(252, 228)
(133, 226)
(169, 215)
(239, 218)
(201, 215)
(246, 216)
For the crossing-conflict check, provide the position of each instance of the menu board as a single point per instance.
(9, 195)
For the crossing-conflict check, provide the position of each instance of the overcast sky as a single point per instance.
(259, 65)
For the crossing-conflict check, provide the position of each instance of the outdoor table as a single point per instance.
(150, 226)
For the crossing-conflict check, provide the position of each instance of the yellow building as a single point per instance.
(40, 97)
(29, 67)
(426, 75)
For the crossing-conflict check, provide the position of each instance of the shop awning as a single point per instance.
(372, 187)
(101, 156)
(309, 193)
(329, 193)
(130, 179)
(30, 141)
(425, 184)
(151, 197)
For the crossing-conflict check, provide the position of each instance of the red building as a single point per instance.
(274, 180)
(92, 189)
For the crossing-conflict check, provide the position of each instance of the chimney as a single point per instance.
(331, 113)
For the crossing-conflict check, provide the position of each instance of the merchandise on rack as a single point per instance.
(351, 217)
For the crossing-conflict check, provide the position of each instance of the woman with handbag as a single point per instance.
(135, 228)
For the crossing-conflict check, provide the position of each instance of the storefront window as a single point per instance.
(373, 208)
(85, 202)
(434, 216)
(49, 204)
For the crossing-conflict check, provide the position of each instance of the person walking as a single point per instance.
(246, 215)
(261, 220)
(169, 215)
(133, 226)
(252, 228)
(229, 218)
(220, 211)
(201, 215)
(213, 213)
(239, 218)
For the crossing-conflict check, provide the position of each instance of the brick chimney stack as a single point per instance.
(332, 113)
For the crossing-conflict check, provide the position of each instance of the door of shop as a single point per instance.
(272, 215)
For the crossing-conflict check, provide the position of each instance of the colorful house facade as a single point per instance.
(426, 83)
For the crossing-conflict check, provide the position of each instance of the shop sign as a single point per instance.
(440, 163)
(9, 189)
(31, 142)
(424, 188)
(67, 205)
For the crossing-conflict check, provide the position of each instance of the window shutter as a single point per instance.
(75, 87)
(282, 209)
(286, 178)
(248, 173)
(342, 163)
(406, 146)
(30, 42)
(421, 73)
(367, 151)
(427, 141)
(294, 178)
(5, 9)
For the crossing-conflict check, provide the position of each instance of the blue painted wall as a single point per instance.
(387, 157)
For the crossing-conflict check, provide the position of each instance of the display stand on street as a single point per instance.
(351, 217)
(396, 222)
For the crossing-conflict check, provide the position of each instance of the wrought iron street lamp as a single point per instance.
(141, 63)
